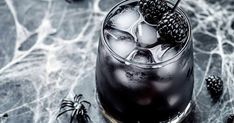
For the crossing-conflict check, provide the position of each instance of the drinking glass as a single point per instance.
(133, 92)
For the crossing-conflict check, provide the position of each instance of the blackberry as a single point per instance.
(173, 27)
(230, 119)
(153, 10)
(214, 85)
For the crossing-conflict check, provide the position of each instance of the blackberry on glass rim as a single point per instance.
(143, 75)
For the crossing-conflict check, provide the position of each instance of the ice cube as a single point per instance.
(173, 100)
(122, 43)
(145, 100)
(158, 52)
(143, 56)
(130, 79)
(164, 52)
(125, 19)
(146, 35)
(169, 70)
(170, 53)
(162, 85)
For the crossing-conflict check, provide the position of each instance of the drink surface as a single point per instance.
(130, 93)
(132, 38)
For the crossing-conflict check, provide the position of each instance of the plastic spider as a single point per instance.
(79, 111)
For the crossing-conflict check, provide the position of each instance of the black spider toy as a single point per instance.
(79, 111)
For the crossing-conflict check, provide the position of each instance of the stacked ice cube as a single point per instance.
(129, 36)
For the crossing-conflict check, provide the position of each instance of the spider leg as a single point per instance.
(63, 112)
(86, 103)
(64, 106)
(67, 101)
(73, 115)
(78, 97)
(67, 105)
(75, 98)
(87, 117)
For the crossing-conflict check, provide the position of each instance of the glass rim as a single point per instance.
(145, 65)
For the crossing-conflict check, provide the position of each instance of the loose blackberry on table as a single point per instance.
(230, 119)
(214, 86)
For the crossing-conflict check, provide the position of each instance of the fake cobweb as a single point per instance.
(48, 50)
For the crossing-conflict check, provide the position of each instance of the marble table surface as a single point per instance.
(48, 50)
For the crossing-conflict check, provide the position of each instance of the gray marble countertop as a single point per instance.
(48, 50)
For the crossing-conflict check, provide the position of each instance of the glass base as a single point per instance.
(178, 119)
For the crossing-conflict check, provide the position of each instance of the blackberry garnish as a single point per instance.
(173, 27)
(153, 10)
(214, 86)
(230, 118)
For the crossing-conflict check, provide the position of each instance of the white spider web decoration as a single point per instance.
(48, 51)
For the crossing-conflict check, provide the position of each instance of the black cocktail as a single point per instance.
(141, 75)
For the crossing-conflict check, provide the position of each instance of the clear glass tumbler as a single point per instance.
(142, 92)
